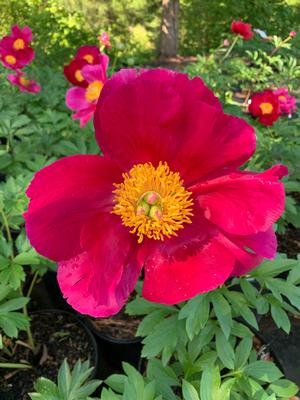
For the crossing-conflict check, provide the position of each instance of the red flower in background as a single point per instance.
(15, 52)
(84, 99)
(287, 103)
(84, 56)
(104, 39)
(167, 195)
(23, 83)
(265, 106)
(243, 29)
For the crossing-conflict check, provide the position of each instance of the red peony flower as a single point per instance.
(167, 195)
(242, 29)
(265, 106)
(23, 83)
(15, 52)
(85, 55)
(104, 39)
(84, 100)
(287, 103)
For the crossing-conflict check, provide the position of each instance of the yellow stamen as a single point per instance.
(153, 201)
(19, 44)
(89, 58)
(10, 59)
(93, 91)
(266, 108)
(24, 81)
(282, 98)
(78, 76)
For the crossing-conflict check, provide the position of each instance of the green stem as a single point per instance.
(231, 47)
(13, 365)
(36, 274)
(280, 45)
(28, 330)
(6, 225)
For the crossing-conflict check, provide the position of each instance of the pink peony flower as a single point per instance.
(83, 100)
(104, 39)
(287, 103)
(242, 29)
(15, 52)
(23, 83)
(167, 195)
(292, 34)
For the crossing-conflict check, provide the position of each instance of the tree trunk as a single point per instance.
(169, 29)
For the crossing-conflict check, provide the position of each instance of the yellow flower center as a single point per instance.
(153, 201)
(93, 91)
(10, 59)
(266, 108)
(282, 98)
(89, 58)
(78, 76)
(25, 82)
(19, 44)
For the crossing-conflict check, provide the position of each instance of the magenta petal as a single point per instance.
(242, 204)
(99, 281)
(170, 281)
(213, 142)
(63, 197)
(75, 99)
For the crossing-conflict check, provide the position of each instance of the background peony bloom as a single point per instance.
(104, 39)
(265, 106)
(15, 52)
(167, 195)
(91, 54)
(292, 34)
(242, 29)
(23, 83)
(73, 71)
(287, 103)
(84, 100)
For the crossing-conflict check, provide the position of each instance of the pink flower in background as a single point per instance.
(287, 103)
(243, 29)
(292, 34)
(91, 54)
(226, 43)
(83, 100)
(167, 195)
(23, 83)
(104, 39)
(15, 52)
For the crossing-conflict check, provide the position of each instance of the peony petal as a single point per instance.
(64, 196)
(242, 204)
(213, 142)
(75, 99)
(170, 281)
(99, 281)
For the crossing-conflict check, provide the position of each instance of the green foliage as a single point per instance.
(71, 385)
(10, 319)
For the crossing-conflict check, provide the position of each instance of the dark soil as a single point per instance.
(119, 326)
(56, 337)
(289, 242)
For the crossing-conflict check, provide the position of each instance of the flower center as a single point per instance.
(266, 108)
(78, 76)
(19, 44)
(93, 91)
(10, 59)
(23, 81)
(89, 58)
(153, 201)
(282, 98)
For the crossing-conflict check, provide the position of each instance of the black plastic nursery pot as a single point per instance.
(54, 293)
(57, 335)
(114, 351)
(285, 347)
